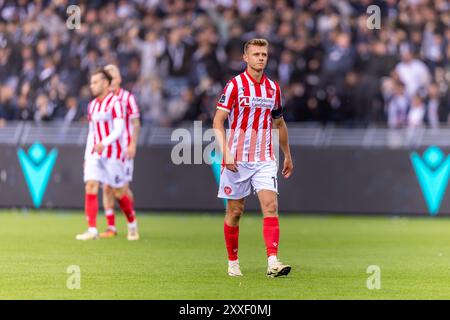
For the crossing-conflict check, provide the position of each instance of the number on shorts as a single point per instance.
(274, 182)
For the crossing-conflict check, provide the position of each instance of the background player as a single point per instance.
(104, 155)
(131, 134)
(250, 101)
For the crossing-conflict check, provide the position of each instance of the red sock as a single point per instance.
(110, 218)
(231, 241)
(271, 232)
(91, 209)
(126, 205)
(132, 201)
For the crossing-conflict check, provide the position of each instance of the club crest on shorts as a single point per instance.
(227, 190)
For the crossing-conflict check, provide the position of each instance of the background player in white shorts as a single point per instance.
(130, 136)
(104, 155)
(252, 104)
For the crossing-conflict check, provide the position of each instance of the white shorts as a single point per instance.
(106, 171)
(129, 166)
(256, 175)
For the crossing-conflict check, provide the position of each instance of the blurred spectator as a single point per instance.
(24, 110)
(286, 67)
(417, 113)
(177, 108)
(296, 104)
(176, 56)
(372, 68)
(350, 98)
(69, 112)
(397, 103)
(434, 106)
(151, 101)
(338, 60)
(151, 50)
(413, 73)
(7, 102)
(44, 108)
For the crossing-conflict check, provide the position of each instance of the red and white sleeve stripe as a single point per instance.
(117, 110)
(278, 104)
(228, 97)
(132, 107)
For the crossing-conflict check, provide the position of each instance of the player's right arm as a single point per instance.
(219, 131)
(224, 107)
(89, 140)
(89, 143)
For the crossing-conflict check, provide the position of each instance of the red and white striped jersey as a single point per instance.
(251, 106)
(131, 110)
(101, 115)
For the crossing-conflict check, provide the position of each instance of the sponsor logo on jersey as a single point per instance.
(262, 102)
(244, 102)
(255, 102)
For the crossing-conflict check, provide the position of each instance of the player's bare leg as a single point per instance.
(108, 206)
(130, 193)
(271, 231)
(133, 234)
(91, 210)
(126, 204)
(234, 211)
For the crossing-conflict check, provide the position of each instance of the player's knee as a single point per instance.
(107, 190)
(270, 208)
(119, 193)
(91, 187)
(235, 211)
(130, 193)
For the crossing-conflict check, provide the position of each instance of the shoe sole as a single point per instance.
(234, 275)
(283, 272)
(87, 239)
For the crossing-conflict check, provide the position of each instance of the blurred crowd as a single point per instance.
(176, 56)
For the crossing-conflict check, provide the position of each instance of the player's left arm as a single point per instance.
(280, 124)
(131, 150)
(288, 165)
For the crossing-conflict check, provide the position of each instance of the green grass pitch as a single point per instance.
(182, 256)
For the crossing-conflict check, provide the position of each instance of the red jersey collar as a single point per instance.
(253, 80)
(118, 91)
(101, 100)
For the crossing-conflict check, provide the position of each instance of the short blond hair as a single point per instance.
(114, 71)
(111, 67)
(256, 42)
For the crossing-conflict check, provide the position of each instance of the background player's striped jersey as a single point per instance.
(131, 111)
(101, 115)
(251, 106)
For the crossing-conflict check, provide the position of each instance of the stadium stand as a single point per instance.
(176, 55)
